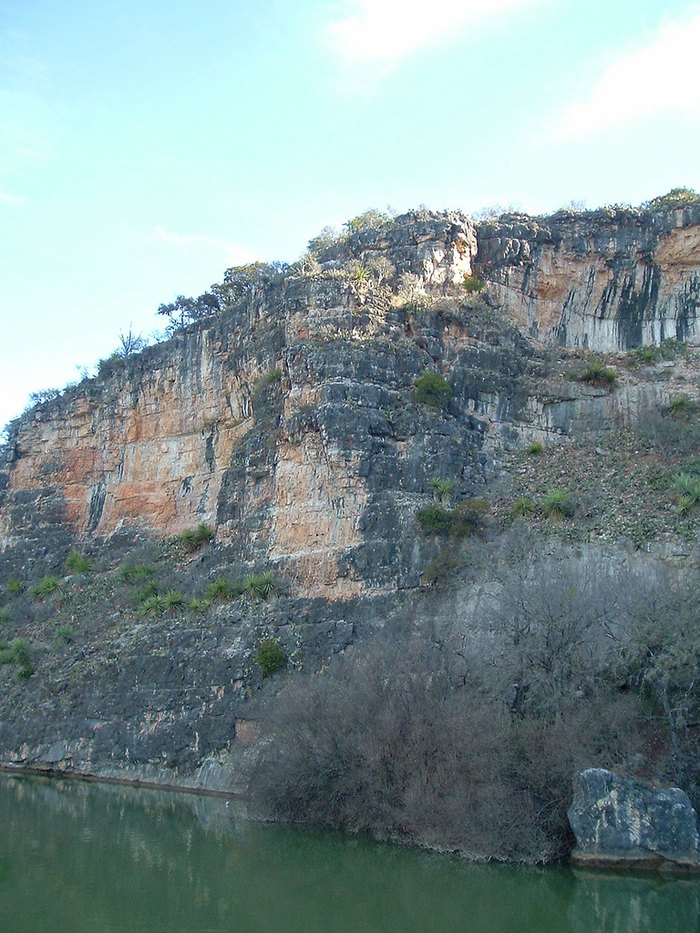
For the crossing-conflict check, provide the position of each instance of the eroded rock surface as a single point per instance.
(604, 280)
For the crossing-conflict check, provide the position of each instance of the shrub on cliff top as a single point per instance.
(432, 389)
(676, 197)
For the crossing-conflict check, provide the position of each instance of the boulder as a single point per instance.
(621, 822)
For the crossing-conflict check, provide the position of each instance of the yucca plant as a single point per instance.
(134, 573)
(153, 605)
(199, 605)
(260, 585)
(221, 590)
(47, 585)
(173, 600)
(522, 508)
(558, 505)
(78, 563)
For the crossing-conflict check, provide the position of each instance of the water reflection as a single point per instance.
(84, 857)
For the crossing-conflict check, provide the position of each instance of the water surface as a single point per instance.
(101, 858)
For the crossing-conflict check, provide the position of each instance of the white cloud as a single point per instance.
(233, 253)
(383, 31)
(663, 76)
(6, 198)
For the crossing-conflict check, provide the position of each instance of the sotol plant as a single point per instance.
(558, 505)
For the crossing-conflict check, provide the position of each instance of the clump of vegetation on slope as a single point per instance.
(624, 483)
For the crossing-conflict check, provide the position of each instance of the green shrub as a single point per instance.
(598, 375)
(270, 656)
(134, 573)
(77, 563)
(193, 538)
(5, 614)
(686, 488)
(260, 585)
(535, 448)
(442, 568)
(434, 520)
(558, 504)
(670, 348)
(269, 378)
(645, 355)
(522, 508)
(686, 504)
(667, 350)
(472, 284)
(432, 389)
(14, 586)
(47, 585)
(468, 518)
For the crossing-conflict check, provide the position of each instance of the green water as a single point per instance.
(85, 857)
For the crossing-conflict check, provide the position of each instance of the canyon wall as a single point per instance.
(289, 423)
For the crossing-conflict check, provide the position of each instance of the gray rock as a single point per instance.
(620, 821)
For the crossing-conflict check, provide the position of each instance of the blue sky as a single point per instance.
(146, 145)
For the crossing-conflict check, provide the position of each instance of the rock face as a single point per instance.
(617, 821)
(604, 280)
(290, 424)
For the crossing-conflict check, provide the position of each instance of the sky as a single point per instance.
(146, 145)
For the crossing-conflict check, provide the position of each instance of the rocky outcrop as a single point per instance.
(603, 280)
(619, 822)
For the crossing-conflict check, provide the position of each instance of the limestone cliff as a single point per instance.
(291, 425)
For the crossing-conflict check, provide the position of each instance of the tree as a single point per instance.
(240, 281)
(184, 311)
(130, 344)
